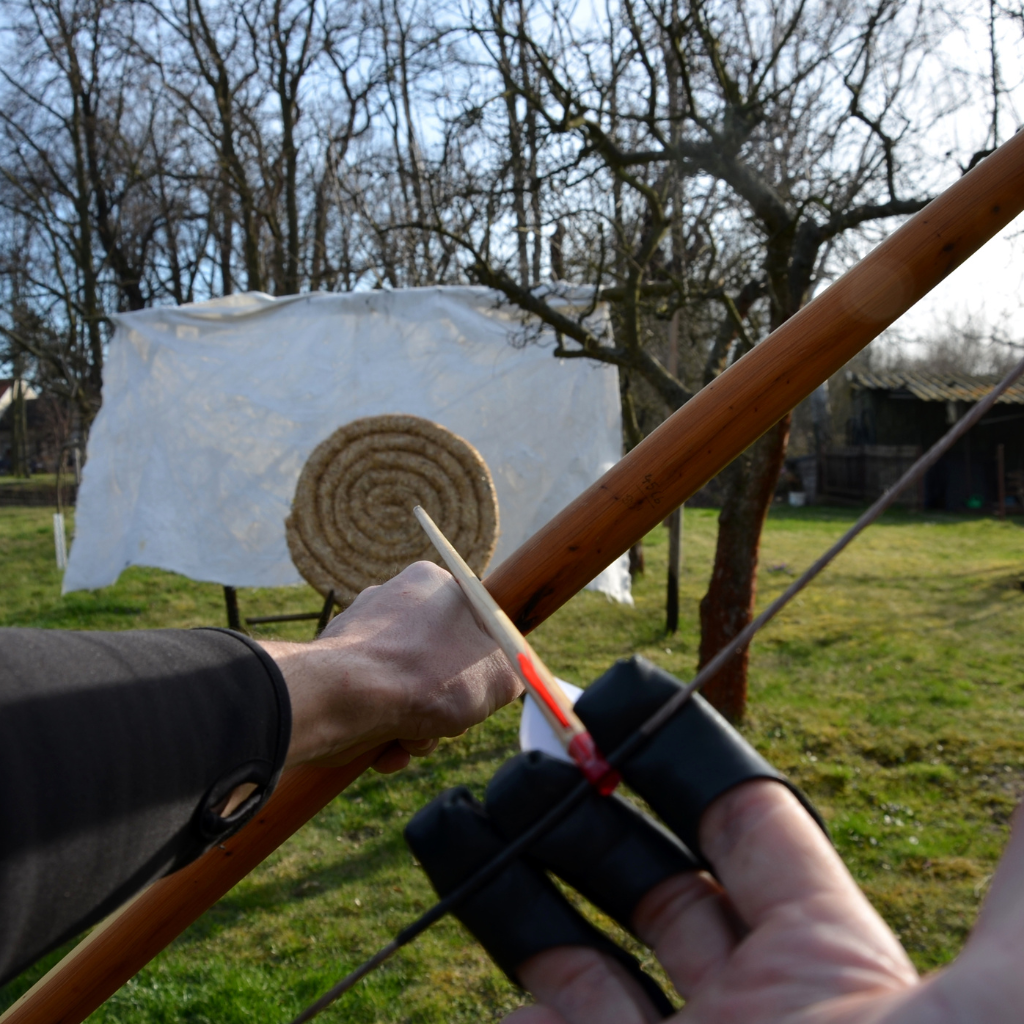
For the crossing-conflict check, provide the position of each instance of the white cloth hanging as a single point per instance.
(210, 410)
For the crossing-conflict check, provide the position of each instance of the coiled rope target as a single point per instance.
(351, 524)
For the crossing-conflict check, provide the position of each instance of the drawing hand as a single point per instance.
(787, 938)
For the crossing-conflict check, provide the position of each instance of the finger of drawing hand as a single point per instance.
(689, 924)
(985, 982)
(582, 986)
(1002, 913)
(810, 924)
(771, 857)
(768, 852)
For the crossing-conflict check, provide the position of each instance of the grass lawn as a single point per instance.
(35, 480)
(891, 691)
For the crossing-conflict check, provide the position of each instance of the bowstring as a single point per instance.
(651, 725)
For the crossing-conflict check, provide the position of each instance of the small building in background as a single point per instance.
(46, 429)
(893, 417)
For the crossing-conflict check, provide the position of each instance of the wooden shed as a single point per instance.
(43, 426)
(894, 416)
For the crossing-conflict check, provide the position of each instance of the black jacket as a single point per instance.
(114, 750)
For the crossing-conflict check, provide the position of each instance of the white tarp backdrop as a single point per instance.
(210, 410)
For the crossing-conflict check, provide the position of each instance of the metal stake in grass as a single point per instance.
(671, 706)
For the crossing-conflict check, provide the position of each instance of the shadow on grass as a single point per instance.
(892, 517)
(387, 853)
(947, 600)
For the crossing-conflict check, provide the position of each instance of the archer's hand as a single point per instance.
(405, 664)
(788, 938)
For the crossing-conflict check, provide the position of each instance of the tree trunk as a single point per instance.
(632, 435)
(290, 156)
(20, 462)
(728, 605)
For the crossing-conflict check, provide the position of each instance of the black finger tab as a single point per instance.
(520, 912)
(604, 848)
(690, 762)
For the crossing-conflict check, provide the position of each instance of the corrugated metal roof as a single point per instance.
(936, 387)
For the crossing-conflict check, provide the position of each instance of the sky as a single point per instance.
(988, 289)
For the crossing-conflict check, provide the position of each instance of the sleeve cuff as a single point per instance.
(264, 774)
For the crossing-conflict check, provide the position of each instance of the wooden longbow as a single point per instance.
(678, 458)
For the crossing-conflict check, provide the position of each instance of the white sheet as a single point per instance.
(210, 410)
(534, 731)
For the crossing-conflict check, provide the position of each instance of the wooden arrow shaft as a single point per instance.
(635, 495)
(554, 705)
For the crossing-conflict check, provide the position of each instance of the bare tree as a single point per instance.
(75, 140)
(700, 165)
(706, 155)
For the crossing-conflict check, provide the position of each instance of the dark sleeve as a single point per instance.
(114, 750)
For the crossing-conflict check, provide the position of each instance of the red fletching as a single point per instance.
(597, 771)
(582, 748)
(542, 691)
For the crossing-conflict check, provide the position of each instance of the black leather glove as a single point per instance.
(517, 914)
(604, 847)
(689, 763)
